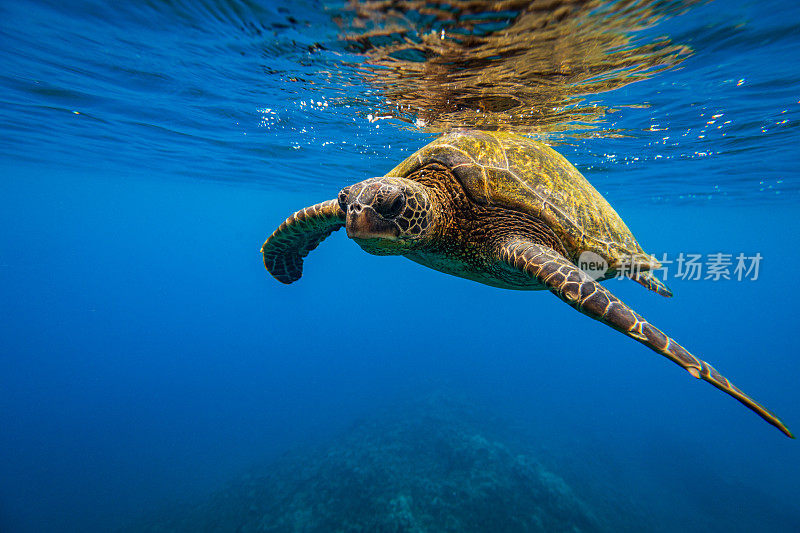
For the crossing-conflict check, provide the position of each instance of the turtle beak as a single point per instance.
(364, 223)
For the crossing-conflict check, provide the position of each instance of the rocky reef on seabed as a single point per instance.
(426, 467)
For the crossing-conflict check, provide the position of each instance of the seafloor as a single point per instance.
(431, 465)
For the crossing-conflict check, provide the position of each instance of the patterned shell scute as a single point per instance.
(518, 173)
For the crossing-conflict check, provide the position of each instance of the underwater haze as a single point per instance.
(155, 377)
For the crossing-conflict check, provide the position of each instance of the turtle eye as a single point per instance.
(343, 194)
(396, 207)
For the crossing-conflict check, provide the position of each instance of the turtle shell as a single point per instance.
(514, 172)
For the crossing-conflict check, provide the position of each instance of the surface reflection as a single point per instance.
(529, 67)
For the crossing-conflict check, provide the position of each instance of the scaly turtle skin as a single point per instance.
(502, 210)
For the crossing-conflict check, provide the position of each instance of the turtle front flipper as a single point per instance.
(576, 288)
(297, 236)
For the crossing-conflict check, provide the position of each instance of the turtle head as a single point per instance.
(388, 216)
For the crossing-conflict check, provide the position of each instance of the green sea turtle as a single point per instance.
(502, 210)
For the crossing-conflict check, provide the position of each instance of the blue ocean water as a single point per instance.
(147, 358)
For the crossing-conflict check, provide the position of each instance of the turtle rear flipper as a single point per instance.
(576, 288)
(297, 236)
(647, 280)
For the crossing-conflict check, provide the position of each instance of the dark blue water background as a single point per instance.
(148, 148)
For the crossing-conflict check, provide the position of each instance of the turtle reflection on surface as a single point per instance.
(518, 66)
